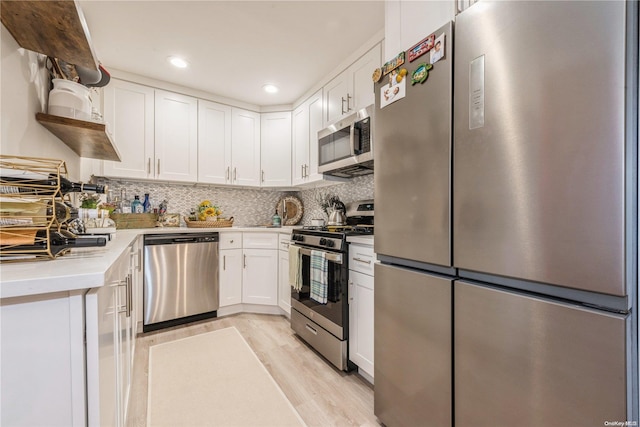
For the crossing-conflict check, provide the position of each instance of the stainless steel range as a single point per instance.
(325, 325)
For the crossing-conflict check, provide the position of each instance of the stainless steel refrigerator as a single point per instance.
(506, 223)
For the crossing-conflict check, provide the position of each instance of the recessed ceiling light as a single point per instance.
(178, 62)
(269, 88)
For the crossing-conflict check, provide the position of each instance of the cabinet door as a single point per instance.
(214, 143)
(230, 277)
(335, 98)
(361, 320)
(300, 143)
(128, 112)
(361, 85)
(176, 143)
(245, 151)
(260, 276)
(284, 289)
(316, 124)
(275, 149)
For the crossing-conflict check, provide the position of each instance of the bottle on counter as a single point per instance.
(18, 181)
(146, 205)
(136, 205)
(30, 241)
(125, 203)
(276, 221)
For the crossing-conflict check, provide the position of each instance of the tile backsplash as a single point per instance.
(247, 206)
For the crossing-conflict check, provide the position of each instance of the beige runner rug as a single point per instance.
(214, 379)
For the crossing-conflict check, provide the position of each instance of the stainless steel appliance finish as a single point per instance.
(563, 356)
(413, 183)
(345, 148)
(413, 365)
(543, 214)
(180, 278)
(540, 187)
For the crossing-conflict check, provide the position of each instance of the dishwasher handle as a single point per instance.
(180, 238)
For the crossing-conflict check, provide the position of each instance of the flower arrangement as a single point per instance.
(208, 211)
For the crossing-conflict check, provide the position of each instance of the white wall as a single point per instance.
(23, 93)
(409, 21)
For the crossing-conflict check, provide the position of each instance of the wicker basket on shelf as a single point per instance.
(220, 223)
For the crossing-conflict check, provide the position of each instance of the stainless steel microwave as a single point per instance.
(345, 148)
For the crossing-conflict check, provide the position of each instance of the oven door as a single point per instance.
(333, 315)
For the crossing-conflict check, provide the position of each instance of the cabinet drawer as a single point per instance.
(283, 241)
(230, 240)
(260, 240)
(361, 258)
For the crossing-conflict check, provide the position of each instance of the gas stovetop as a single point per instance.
(331, 237)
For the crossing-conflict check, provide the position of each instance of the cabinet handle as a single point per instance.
(227, 174)
(309, 328)
(362, 260)
(342, 105)
(348, 103)
(139, 259)
(262, 175)
(245, 261)
(306, 171)
(149, 166)
(301, 171)
(129, 294)
(235, 174)
(224, 262)
(158, 171)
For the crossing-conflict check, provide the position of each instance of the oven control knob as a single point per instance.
(299, 238)
(323, 242)
(330, 243)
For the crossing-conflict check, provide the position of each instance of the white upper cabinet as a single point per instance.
(245, 151)
(176, 131)
(307, 121)
(128, 112)
(353, 88)
(275, 148)
(214, 143)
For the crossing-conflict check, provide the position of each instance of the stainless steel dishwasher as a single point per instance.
(180, 278)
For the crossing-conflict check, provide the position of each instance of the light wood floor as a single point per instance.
(322, 395)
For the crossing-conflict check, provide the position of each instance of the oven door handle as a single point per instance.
(330, 256)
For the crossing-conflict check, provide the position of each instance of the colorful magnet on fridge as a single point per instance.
(377, 75)
(421, 47)
(421, 73)
(393, 64)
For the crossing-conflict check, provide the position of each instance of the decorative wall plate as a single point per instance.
(294, 209)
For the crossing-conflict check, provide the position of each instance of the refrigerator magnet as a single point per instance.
(392, 92)
(377, 75)
(421, 47)
(421, 73)
(437, 53)
(393, 64)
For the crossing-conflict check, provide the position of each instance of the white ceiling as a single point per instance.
(233, 47)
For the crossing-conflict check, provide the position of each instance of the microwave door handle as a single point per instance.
(352, 139)
(357, 140)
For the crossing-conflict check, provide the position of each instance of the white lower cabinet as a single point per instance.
(284, 288)
(361, 292)
(260, 276)
(248, 268)
(230, 277)
(109, 354)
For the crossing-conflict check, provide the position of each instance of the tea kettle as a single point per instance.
(336, 214)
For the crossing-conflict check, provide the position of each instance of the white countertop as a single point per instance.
(86, 268)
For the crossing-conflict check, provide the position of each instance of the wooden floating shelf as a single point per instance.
(54, 28)
(87, 139)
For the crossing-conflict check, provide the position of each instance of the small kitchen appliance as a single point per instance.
(345, 148)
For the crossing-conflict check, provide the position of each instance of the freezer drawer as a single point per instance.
(539, 165)
(412, 348)
(521, 360)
